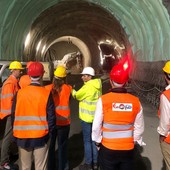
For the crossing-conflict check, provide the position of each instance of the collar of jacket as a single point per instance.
(118, 90)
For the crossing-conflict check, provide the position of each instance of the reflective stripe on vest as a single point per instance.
(30, 119)
(4, 112)
(118, 134)
(117, 127)
(9, 89)
(87, 110)
(6, 96)
(27, 118)
(62, 108)
(118, 124)
(31, 127)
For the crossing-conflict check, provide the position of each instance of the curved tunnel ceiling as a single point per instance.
(87, 22)
(146, 24)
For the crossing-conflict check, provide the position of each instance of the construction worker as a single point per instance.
(9, 89)
(164, 115)
(87, 96)
(117, 124)
(25, 80)
(61, 95)
(33, 120)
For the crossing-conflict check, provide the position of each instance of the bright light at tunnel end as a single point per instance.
(27, 40)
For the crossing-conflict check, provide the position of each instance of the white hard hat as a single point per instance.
(89, 71)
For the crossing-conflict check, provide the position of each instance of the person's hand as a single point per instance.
(97, 145)
(161, 138)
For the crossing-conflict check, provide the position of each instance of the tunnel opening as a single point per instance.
(77, 26)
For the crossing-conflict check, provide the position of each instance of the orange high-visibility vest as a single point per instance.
(30, 113)
(24, 81)
(61, 101)
(9, 89)
(119, 111)
(167, 94)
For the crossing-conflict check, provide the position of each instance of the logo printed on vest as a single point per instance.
(124, 107)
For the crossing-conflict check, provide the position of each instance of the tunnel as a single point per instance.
(93, 32)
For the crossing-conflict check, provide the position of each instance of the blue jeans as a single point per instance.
(90, 148)
(61, 133)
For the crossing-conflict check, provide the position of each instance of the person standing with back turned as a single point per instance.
(87, 96)
(61, 92)
(9, 89)
(164, 115)
(118, 122)
(25, 80)
(33, 119)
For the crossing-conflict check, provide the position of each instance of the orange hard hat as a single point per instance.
(119, 74)
(35, 69)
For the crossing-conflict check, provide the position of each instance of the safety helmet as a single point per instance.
(15, 65)
(118, 74)
(29, 63)
(166, 67)
(60, 72)
(88, 71)
(36, 69)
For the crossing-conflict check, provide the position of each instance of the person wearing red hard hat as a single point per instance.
(25, 80)
(33, 120)
(118, 123)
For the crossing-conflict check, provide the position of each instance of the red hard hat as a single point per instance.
(36, 69)
(119, 74)
(29, 63)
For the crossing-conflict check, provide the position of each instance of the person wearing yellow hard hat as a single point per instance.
(9, 89)
(61, 92)
(164, 115)
(25, 80)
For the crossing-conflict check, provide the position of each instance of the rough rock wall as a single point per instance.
(147, 80)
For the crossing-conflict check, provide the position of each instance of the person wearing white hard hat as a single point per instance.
(87, 96)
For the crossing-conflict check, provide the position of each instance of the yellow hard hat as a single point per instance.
(60, 72)
(15, 65)
(166, 67)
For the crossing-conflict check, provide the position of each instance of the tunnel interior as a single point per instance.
(77, 26)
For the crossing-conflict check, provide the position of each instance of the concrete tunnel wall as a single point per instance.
(146, 23)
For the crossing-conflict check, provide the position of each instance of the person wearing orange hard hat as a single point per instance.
(61, 92)
(25, 80)
(118, 123)
(164, 115)
(33, 120)
(9, 89)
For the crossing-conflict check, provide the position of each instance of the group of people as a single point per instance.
(37, 116)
